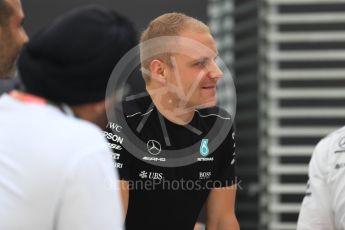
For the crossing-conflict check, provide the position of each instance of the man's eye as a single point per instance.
(201, 63)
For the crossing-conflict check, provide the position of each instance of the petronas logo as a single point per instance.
(204, 148)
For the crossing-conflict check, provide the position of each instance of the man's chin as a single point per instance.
(207, 104)
(11, 71)
(8, 71)
(9, 75)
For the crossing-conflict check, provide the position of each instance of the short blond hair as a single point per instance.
(169, 24)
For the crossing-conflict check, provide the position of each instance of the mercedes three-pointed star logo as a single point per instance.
(154, 147)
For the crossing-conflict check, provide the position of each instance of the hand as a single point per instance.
(199, 226)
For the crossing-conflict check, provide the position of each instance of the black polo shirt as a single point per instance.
(161, 195)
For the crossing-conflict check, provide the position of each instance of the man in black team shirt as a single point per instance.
(161, 188)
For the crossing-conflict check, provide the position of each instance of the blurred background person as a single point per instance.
(72, 60)
(323, 206)
(56, 169)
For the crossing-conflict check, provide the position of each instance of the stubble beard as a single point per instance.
(9, 55)
(8, 65)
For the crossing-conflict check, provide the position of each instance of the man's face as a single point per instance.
(195, 74)
(12, 38)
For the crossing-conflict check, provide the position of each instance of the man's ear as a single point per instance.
(158, 70)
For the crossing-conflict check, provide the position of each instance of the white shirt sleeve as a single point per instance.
(315, 213)
(91, 200)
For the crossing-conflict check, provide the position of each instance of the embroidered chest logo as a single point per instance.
(153, 147)
(204, 151)
(143, 174)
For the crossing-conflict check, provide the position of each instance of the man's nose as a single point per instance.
(215, 71)
(25, 37)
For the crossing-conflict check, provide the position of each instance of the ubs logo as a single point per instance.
(143, 174)
(153, 147)
(151, 175)
(155, 175)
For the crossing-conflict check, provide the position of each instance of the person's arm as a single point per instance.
(315, 213)
(90, 200)
(220, 206)
(124, 196)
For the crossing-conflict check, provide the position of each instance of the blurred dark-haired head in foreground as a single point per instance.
(71, 59)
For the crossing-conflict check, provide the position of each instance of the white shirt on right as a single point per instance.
(323, 206)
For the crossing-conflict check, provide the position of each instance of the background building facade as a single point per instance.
(288, 59)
